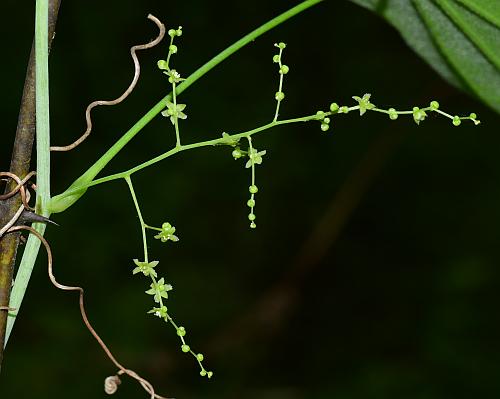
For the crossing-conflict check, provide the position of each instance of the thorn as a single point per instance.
(32, 217)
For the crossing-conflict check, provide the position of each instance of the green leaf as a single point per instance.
(460, 39)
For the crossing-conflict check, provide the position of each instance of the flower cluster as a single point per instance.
(364, 104)
(173, 110)
(282, 70)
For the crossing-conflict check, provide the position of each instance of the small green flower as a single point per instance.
(146, 268)
(159, 290)
(364, 103)
(174, 111)
(227, 139)
(418, 115)
(161, 312)
(173, 76)
(255, 157)
(167, 233)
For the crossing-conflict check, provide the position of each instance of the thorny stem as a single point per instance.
(20, 165)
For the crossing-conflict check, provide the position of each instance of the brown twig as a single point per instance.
(129, 90)
(121, 369)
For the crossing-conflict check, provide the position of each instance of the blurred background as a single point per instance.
(373, 272)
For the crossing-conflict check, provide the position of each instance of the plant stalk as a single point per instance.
(20, 166)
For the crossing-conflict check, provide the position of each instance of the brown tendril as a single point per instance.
(25, 195)
(19, 187)
(122, 370)
(137, 73)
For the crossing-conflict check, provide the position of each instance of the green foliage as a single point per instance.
(460, 39)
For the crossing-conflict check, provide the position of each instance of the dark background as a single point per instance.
(373, 272)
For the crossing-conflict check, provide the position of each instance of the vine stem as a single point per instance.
(43, 159)
(42, 106)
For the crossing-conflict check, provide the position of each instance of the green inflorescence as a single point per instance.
(242, 147)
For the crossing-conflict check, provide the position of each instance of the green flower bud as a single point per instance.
(172, 48)
(237, 153)
(279, 95)
(253, 189)
(456, 120)
(162, 64)
(320, 115)
(325, 127)
(393, 114)
(210, 374)
(251, 217)
(334, 107)
(251, 203)
(203, 373)
(200, 357)
(276, 58)
(281, 45)
(284, 70)
(434, 105)
(172, 32)
(343, 110)
(181, 331)
(473, 116)
(253, 225)
(185, 348)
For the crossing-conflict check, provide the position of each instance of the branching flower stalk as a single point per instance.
(159, 289)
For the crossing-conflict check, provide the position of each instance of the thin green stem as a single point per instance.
(42, 105)
(280, 88)
(176, 119)
(75, 190)
(139, 214)
(169, 52)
